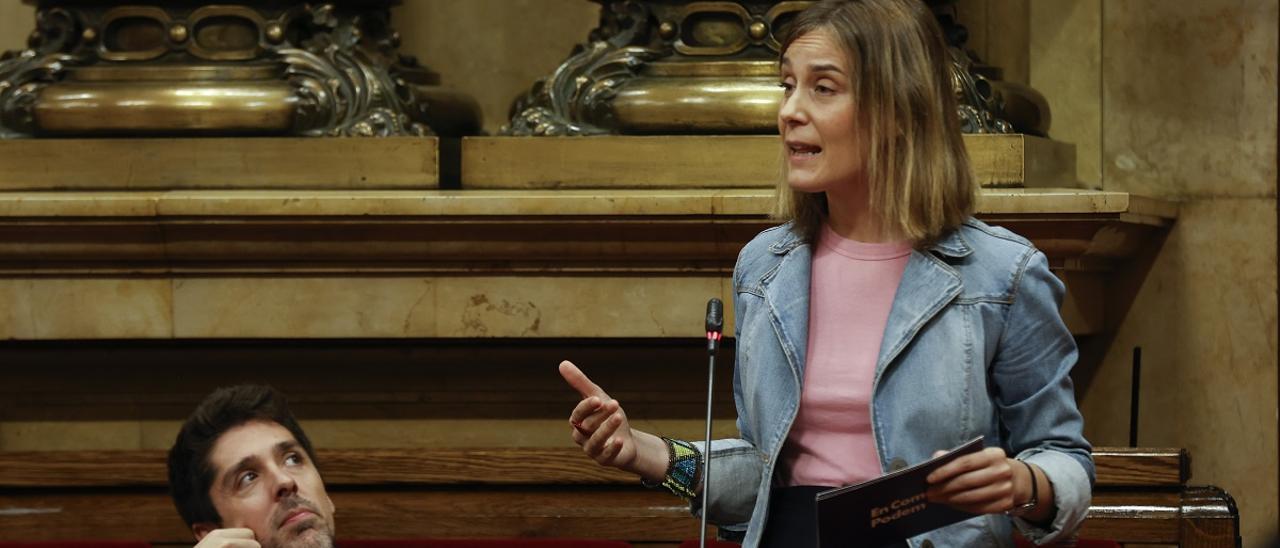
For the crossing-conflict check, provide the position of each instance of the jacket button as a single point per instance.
(897, 464)
(926, 544)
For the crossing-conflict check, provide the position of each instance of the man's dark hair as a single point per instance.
(190, 474)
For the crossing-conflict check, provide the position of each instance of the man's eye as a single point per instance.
(246, 479)
(293, 458)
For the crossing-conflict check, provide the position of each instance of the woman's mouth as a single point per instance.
(800, 151)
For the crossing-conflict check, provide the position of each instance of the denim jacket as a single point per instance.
(974, 345)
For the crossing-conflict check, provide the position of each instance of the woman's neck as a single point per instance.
(849, 215)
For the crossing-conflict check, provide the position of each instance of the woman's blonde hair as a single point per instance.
(918, 174)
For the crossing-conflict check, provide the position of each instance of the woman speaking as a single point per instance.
(882, 322)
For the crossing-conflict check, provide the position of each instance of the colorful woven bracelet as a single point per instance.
(683, 466)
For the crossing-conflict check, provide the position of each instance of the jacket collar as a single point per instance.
(952, 244)
(928, 285)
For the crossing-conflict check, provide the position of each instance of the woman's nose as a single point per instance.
(792, 111)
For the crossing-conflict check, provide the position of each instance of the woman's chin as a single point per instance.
(806, 185)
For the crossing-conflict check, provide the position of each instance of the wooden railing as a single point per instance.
(1141, 496)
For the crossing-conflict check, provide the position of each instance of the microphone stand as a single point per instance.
(715, 324)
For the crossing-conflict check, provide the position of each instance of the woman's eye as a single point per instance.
(786, 87)
(823, 89)
(293, 458)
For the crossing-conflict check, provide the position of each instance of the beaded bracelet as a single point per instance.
(683, 465)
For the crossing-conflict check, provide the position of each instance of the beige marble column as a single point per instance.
(493, 49)
(1188, 111)
(1173, 100)
(16, 22)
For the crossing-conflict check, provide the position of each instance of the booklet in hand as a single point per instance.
(889, 508)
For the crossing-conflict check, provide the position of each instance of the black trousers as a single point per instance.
(793, 519)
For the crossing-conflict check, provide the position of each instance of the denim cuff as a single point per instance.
(736, 466)
(1072, 494)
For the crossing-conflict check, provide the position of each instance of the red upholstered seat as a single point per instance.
(1081, 543)
(483, 543)
(1021, 543)
(78, 544)
(693, 543)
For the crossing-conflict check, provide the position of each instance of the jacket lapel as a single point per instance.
(786, 293)
(927, 285)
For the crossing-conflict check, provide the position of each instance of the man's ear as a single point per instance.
(202, 529)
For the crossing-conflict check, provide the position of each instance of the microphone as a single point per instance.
(715, 325)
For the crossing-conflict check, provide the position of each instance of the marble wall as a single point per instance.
(16, 21)
(494, 49)
(1176, 100)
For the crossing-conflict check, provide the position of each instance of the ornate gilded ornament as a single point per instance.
(710, 67)
(188, 67)
(978, 99)
(987, 104)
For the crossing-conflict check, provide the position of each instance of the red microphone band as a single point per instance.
(713, 335)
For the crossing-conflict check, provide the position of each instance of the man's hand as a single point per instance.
(229, 538)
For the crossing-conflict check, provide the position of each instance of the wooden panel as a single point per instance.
(1129, 516)
(636, 514)
(286, 162)
(82, 468)
(341, 467)
(461, 466)
(516, 466)
(720, 161)
(1140, 466)
(398, 381)
(1210, 518)
(632, 514)
(148, 515)
(628, 513)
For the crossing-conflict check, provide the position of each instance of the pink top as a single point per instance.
(850, 294)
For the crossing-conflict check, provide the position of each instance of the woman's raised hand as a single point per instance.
(601, 428)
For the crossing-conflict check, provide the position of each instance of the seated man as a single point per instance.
(242, 473)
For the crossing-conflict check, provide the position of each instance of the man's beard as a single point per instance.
(317, 533)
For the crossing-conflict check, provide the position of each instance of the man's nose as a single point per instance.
(285, 485)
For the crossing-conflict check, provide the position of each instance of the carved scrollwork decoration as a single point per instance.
(23, 74)
(326, 69)
(981, 108)
(342, 90)
(574, 100)
(980, 102)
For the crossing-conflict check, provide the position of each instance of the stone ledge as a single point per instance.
(717, 161)
(397, 264)
(222, 163)
(484, 231)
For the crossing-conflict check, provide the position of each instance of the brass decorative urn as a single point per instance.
(186, 67)
(710, 67)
